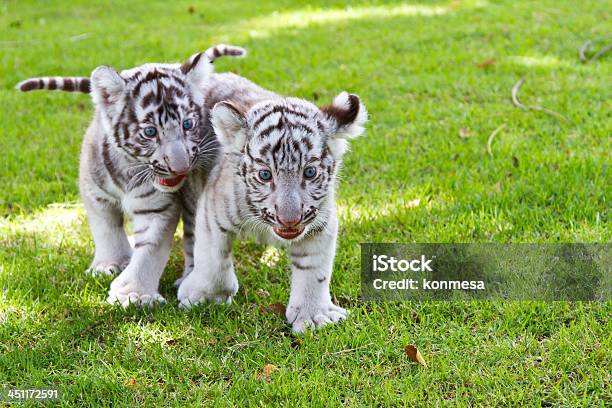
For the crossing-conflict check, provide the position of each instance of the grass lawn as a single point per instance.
(436, 77)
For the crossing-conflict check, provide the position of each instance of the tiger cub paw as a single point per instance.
(314, 316)
(126, 291)
(107, 268)
(193, 290)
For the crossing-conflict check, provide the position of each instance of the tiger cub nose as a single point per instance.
(180, 171)
(290, 221)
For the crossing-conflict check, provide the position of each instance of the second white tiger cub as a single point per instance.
(276, 179)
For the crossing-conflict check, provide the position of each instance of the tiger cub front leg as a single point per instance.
(212, 278)
(139, 282)
(112, 249)
(188, 217)
(312, 260)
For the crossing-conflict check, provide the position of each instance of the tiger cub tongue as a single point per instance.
(170, 182)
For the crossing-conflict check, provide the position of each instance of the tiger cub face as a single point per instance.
(154, 116)
(290, 151)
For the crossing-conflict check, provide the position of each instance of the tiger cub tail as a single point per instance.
(68, 84)
(83, 84)
(223, 50)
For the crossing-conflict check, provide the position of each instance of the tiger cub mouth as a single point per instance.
(288, 233)
(170, 182)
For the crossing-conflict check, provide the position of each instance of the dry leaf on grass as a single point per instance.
(275, 309)
(269, 369)
(465, 133)
(487, 63)
(415, 355)
(267, 372)
(278, 309)
(497, 187)
(131, 382)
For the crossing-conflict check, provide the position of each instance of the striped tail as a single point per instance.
(223, 50)
(68, 84)
(83, 84)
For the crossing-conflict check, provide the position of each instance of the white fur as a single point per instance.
(354, 128)
(138, 283)
(213, 279)
(105, 79)
(338, 143)
(223, 213)
(141, 267)
(106, 92)
(228, 125)
(197, 77)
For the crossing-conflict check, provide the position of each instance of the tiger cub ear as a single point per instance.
(229, 122)
(197, 69)
(106, 86)
(347, 115)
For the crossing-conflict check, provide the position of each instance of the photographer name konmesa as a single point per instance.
(426, 284)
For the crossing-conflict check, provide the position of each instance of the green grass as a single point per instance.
(418, 74)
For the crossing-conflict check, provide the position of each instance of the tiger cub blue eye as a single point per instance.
(265, 175)
(150, 131)
(310, 172)
(187, 124)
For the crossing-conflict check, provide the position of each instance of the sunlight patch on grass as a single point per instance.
(58, 223)
(140, 333)
(537, 61)
(11, 311)
(351, 212)
(264, 26)
(270, 257)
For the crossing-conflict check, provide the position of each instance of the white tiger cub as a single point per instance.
(150, 130)
(276, 178)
